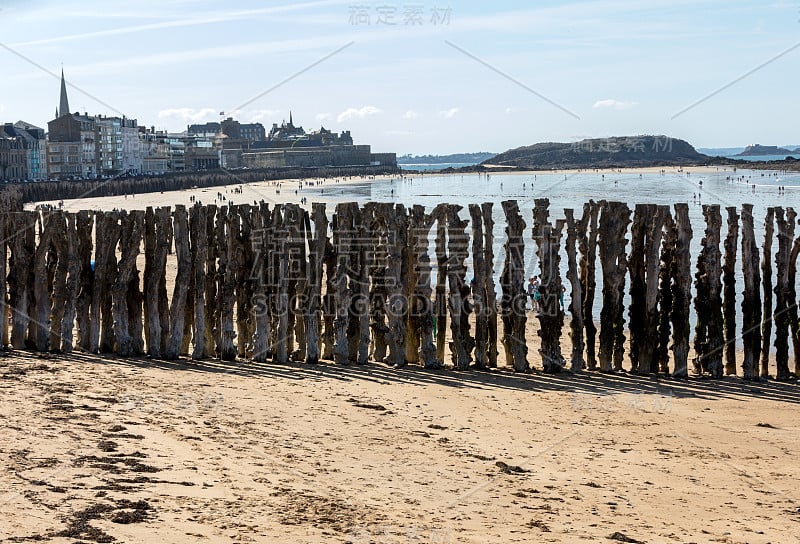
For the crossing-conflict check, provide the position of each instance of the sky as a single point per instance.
(419, 77)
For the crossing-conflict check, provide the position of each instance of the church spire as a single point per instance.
(63, 107)
(290, 119)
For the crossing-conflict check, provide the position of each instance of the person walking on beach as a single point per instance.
(533, 293)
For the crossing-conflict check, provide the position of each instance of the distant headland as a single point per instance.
(758, 150)
(615, 152)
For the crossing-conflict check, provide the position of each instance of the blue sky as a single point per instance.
(568, 69)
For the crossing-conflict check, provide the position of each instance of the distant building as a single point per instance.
(86, 146)
(13, 155)
(288, 145)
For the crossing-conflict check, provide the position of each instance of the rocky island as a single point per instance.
(758, 150)
(615, 152)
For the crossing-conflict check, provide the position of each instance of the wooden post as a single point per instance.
(587, 240)
(614, 222)
(479, 294)
(84, 224)
(130, 242)
(377, 275)
(230, 272)
(199, 255)
(441, 213)
(72, 289)
(60, 288)
(212, 281)
(643, 215)
(512, 307)
(107, 235)
(158, 227)
(648, 349)
(457, 241)
(489, 288)
(21, 275)
(279, 273)
(794, 322)
(315, 263)
(766, 278)
(751, 303)
(329, 300)
(551, 316)
(781, 315)
(729, 282)
(177, 311)
(396, 219)
(342, 241)
(5, 339)
(423, 304)
(666, 290)
(576, 295)
(41, 294)
(245, 319)
(709, 341)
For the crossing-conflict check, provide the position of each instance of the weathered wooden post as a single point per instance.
(422, 304)
(441, 213)
(342, 241)
(614, 221)
(214, 224)
(316, 257)
(4, 309)
(576, 296)
(377, 278)
(729, 282)
(491, 293)
(107, 235)
(130, 242)
(84, 224)
(781, 315)
(177, 312)
(751, 303)
(551, 316)
(794, 322)
(648, 350)
(479, 294)
(766, 278)
(359, 303)
(245, 319)
(329, 301)
(21, 275)
(462, 343)
(42, 301)
(396, 220)
(709, 341)
(199, 256)
(72, 288)
(665, 290)
(512, 306)
(231, 272)
(60, 289)
(643, 215)
(158, 227)
(587, 242)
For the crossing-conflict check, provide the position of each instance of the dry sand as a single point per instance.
(240, 452)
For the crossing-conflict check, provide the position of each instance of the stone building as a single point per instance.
(13, 155)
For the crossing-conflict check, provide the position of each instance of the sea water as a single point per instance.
(723, 186)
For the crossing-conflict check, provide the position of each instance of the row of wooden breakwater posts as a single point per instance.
(277, 282)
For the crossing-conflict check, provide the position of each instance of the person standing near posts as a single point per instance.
(533, 293)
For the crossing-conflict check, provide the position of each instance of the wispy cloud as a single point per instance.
(449, 114)
(262, 115)
(358, 113)
(204, 19)
(322, 117)
(611, 104)
(410, 114)
(189, 115)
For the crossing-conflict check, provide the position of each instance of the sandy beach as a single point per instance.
(103, 449)
(110, 450)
